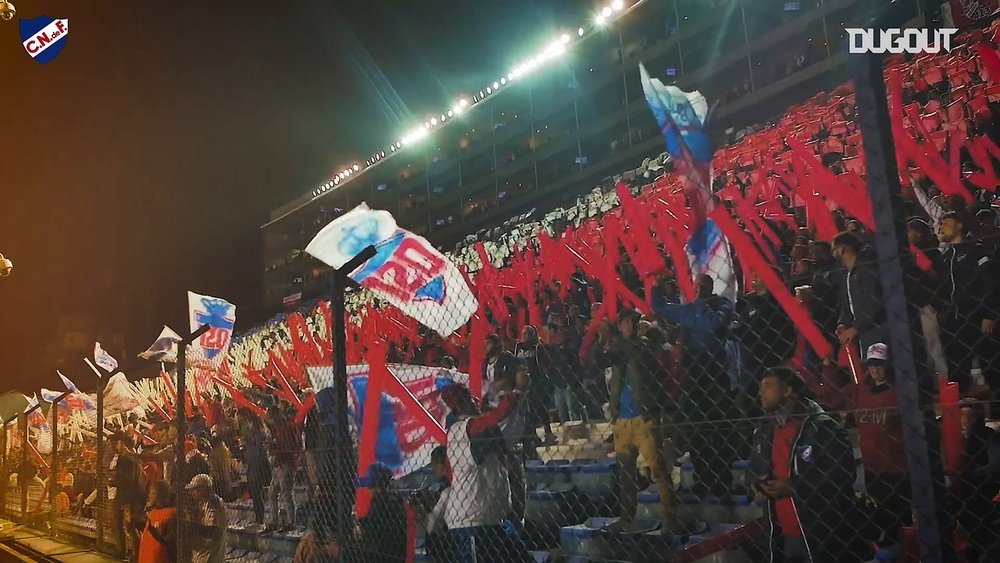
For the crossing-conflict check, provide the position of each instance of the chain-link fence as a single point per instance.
(824, 393)
(607, 404)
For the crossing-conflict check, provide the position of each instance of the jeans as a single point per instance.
(566, 404)
(282, 483)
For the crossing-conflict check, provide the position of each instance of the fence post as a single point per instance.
(102, 480)
(6, 467)
(54, 464)
(22, 425)
(343, 472)
(180, 464)
(906, 343)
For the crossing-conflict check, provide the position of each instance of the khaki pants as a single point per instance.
(640, 435)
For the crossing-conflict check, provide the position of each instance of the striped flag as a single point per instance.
(682, 117)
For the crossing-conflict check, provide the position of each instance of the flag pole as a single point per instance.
(340, 281)
(180, 460)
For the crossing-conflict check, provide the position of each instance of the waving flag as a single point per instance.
(103, 359)
(406, 271)
(76, 399)
(681, 116)
(164, 348)
(217, 313)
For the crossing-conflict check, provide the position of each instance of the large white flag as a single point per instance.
(217, 313)
(104, 359)
(406, 271)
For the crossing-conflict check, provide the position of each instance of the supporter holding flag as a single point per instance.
(803, 464)
(880, 434)
(476, 453)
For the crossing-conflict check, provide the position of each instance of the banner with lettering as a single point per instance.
(406, 271)
(220, 315)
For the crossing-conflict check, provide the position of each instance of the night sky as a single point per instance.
(141, 162)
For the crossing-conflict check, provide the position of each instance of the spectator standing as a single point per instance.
(499, 365)
(529, 350)
(158, 543)
(383, 529)
(128, 496)
(803, 463)
(564, 370)
(880, 436)
(971, 297)
(764, 329)
(285, 447)
(704, 325)
(636, 409)
(976, 485)
(206, 523)
(257, 465)
(862, 316)
(480, 486)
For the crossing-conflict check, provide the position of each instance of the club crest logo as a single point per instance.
(806, 453)
(44, 37)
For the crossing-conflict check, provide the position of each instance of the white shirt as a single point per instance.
(483, 488)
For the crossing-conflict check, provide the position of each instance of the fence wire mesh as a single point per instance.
(604, 404)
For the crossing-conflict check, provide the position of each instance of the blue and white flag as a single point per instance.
(164, 348)
(218, 314)
(682, 117)
(104, 359)
(406, 271)
(76, 399)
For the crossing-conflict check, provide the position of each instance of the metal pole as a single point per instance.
(902, 316)
(180, 461)
(22, 424)
(343, 483)
(102, 479)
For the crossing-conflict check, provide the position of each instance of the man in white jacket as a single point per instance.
(479, 500)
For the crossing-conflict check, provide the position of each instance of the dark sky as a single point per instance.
(142, 160)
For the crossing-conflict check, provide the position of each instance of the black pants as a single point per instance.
(964, 340)
(891, 493)
(256, 487)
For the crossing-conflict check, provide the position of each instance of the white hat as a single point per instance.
(877, 352)
(199, 480)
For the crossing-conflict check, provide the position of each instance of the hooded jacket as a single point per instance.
(822, 476)
(861, 301)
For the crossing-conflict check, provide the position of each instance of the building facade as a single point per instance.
(542, 140)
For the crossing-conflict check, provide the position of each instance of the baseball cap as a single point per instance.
(877, 353)
(199, 480)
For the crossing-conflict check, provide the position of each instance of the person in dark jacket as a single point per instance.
(971, 298)
(383, 529)
(803, 464)
(765, 330)
(564, 370)
(498, 365)
(636, 408)
(862, 315)
(531, 352)
(258, 468)
(704, 327)
(976, 485)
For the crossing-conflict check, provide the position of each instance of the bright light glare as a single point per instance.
(580, 32)
(606, 12)
(356, 168)
(564, 38)
(434, 121)
(451, 113)
(601, 20)
(489, 90)
(503, 80)
(618, 5)
(336, 180)
(463, 103)
(496, 85)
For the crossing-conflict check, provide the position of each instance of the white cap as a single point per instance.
(877, 352)
(199, 480)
